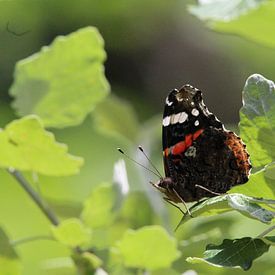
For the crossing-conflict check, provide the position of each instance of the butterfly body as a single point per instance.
(201, 158)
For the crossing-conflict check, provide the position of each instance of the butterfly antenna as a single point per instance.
(141, 149)
(128, 157)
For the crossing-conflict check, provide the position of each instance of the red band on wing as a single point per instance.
(182, 146)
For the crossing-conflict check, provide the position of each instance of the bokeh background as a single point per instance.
(152, 47)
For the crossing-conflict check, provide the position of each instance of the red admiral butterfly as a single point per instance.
(201, 158)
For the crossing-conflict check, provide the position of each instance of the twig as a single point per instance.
(266, 231)
(30, 239)
(34, 195)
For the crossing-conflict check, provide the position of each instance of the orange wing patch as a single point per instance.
(182, 146)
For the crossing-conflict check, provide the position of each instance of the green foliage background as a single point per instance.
(65, 85)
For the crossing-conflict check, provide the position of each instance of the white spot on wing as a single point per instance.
(183, 117)
(196, 123)
(195, 112)
(166, 121)
(169, 103)
(175, 118)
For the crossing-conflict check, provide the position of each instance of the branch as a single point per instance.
(31, 239)
(35, 196)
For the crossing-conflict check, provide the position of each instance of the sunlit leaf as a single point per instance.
(116, 117)
(149, 247)
(223, 10)
(234, 253)
(257, 25)
(257, 119)
(98, 208)
(64, 81)
(252, 19)
(72, 232)
(248, 206)
(9, 260)
(260, 184)
(26, 146)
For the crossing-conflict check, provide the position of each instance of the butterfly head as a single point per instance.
(187, 98)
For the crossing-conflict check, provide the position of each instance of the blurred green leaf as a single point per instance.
(72, 232)
(9, 260)
(64, 81)
(26, 146)
(224, 10)
(260, 184)
(257, 25)
(104, 237)
(97, 211)
(234, 253)
(116, 117)
(247, 206)
(136, 210)
(257, 119)
(149, 247)
(86, 263)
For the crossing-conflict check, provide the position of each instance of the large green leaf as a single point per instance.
(97, 211)
(26, 146)
(257, 119)
(72, 232)
(260, 184)
(248, 206)
(149, 247)
(224, 10)
(9, 260)
(257, 25)
(252, 19)
(64, 81)
(235, 253)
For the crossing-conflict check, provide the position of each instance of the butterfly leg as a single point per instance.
(206, 189)
(183, 202)
(170, 202)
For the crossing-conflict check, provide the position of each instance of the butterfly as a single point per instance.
(201, 158)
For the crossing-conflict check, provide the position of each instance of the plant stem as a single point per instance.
(266, 231)
(31, 239)
(35, 196)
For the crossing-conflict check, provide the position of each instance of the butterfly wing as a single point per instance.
(197, 150)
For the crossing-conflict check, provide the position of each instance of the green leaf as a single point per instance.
(233, 253)
(64, 81)
(247, 206)
(9, 260)
(72, 232)
(260, 184)
(257, 123)
(224, 10)
(98, 208)
(118, 121)
(257, 25)
(251, 19)
(149, 247)
(26, 146)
